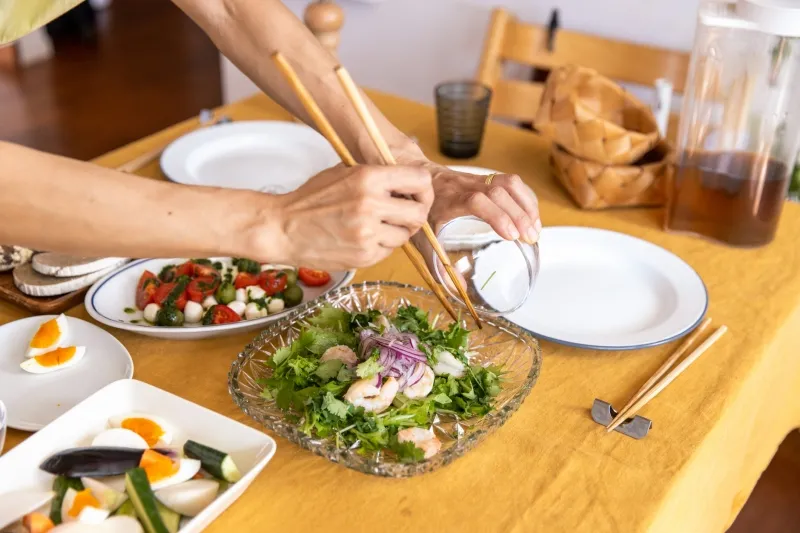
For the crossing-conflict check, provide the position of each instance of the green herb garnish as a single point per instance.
(485, 283)
(130, 310)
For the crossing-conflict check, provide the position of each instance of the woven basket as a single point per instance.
(597, 186)
(594, 118)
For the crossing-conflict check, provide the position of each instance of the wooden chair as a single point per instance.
(509, 40)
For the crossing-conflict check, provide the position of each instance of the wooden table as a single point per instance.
(550, 468)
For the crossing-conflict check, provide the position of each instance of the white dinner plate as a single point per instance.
(269, 156)
(35, 400)
(609, 291)
(109, 298)
(251, 449)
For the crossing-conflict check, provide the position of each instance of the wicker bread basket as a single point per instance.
(597, 186)
(594, 118)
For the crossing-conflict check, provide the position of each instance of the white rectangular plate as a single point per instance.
(250, 449)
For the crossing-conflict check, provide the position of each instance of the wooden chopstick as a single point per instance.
(652, 393)
(622, 413)
(329, 133)
(354, 95)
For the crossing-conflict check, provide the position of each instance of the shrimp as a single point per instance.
(448, 365)
(364, 393)
(423, 387)
(340, 353)
(424, 439)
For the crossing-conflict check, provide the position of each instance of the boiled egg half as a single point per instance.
(155, 431)
(50, 335)
(164, 472)
(54, 360)
(82, 506)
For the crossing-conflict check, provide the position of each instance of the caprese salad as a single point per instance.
(200, 291)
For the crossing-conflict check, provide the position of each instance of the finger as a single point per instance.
(407, 181)
(524, 196)
(481, 206)
(401, 212)
(522, 221)
(390, 236)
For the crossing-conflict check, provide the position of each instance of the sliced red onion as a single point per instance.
(416, 375)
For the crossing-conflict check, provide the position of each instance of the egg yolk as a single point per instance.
(145, 428)
(47, 335)
(82, 500)
(57, 357)
(157, 466)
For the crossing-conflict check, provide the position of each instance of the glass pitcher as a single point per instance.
(738, 136)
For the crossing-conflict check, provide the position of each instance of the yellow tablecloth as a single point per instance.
(550, 468)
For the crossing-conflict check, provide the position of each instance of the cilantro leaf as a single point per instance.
(412, 319)
(331, 318)
(334, 406)
(328, 370)
(362, 320)
(407, 452)
(442, 398)
(345, 374)
(281, 354)
(369, 368)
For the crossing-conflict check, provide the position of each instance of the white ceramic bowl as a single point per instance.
(107, 300)
(251, 449)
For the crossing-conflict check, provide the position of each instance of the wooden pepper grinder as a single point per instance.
(325, 20)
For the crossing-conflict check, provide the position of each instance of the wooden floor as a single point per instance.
(153, 67)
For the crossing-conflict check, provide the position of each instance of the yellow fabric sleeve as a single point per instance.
(21, 17)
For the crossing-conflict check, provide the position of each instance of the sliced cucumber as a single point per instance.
(170, 518)
(144, 501)
(60, 486)
(126, 509)
(218, 464)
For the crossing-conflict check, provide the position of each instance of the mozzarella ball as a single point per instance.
(241, 295)
(193, 312)
(253, 311)
(210, 301)
(150, 312)
(275, 305)
(238, 307)
(255, 292)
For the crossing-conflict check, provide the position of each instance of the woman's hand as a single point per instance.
(346, 217)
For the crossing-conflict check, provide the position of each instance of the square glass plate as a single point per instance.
(499, 342)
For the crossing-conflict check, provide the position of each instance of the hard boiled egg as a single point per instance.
(164, 472)
(50, 335)
(82, 507)
(54, 360)
(153, 429)
(115, 524)
(109, 498)
(191, 497)
(120, 438)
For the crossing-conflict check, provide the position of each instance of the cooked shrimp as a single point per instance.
(364, 393)
(340, 353)
(424, 439)
(448, 365)
(423, 387)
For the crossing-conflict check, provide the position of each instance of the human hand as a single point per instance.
(348, 217)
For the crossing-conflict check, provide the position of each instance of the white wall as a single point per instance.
(407, 46)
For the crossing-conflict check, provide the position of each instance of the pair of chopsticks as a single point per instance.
(651, 389)
(330, 134)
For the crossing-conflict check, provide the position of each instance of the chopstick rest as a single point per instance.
(637, 427)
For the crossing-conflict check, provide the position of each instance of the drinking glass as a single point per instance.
(497, 274)
(462, 108)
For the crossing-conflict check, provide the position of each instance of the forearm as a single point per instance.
(249, 31)
(57, 204)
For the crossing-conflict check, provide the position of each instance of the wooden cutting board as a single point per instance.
(38, 306)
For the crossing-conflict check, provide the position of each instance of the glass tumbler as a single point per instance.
(498, 275)
(462, 108)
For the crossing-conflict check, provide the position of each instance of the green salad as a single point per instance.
(376, 383)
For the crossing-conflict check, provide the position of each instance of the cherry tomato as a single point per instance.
(243, 279)
(146, 288)
(163, 292)
(186, 269)
(220, 314)
(200, 288)
(313, 278)
(202, 271)
(272, 281)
